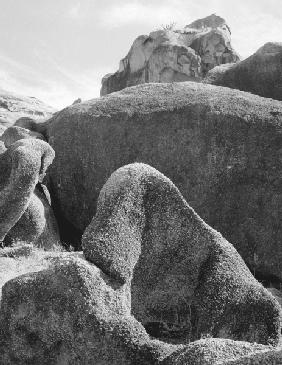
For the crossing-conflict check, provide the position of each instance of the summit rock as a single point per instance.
(171, 55)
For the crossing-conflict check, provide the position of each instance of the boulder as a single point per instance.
(259, 74)
(169, 55)
(22, 259)
(13, 134)
(221, 147)
(224, 352)
(73, 313)
(26, 214)
(187, 281)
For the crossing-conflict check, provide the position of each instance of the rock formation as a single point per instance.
(259, 74)
(169, 55)
(73, 313)
(14, 106)
(25, 214)
(221, 147)
(184, 275)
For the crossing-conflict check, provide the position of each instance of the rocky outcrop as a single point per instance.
(25, 213)
(170, 55)
(221, 147)
(14, 106)
(73, 313)
(187, 281)
(259, 74)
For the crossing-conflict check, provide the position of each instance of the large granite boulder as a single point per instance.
(221, 147)
(170, 55)
(26, 214)
(187, 281)
(259, 74)
(224, 352)
(73, 313)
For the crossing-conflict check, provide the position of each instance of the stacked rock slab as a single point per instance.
(187, 281)
(259, 74)
(170, 55)
(25, 215)
(221, 147)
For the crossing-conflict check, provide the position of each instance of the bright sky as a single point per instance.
(58, 50)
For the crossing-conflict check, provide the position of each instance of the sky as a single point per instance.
(59, 50)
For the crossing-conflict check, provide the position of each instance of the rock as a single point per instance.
(25, 213)
(2, 147)
(77, 101)
(13, 134)
(73, 313)
(14, 106)
(259, 74)
(31, 124)
(170, 55)
(183, 273)
(221, 147)
(22, 259)
(224, 352)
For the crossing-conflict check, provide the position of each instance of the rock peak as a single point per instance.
(212, 21)
(169, 55)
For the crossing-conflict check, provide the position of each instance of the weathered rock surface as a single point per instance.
(22, 259)
(224, 352)
(184, 275)
(25, 213)
(14, 106)
(169, 55)
(13, 134)
(221, 147)
(73, 313)
(259, 74)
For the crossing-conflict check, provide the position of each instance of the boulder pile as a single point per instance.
(221, 147)
(81, 312)
(170, 55)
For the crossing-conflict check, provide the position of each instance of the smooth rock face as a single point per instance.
(169, 55)
(184, 275)
(221, 147)
(25, 213)
(73, 313)
(14, 106)
(259, 74)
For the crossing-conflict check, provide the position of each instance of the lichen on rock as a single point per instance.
(26, 214)
(182, 272)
